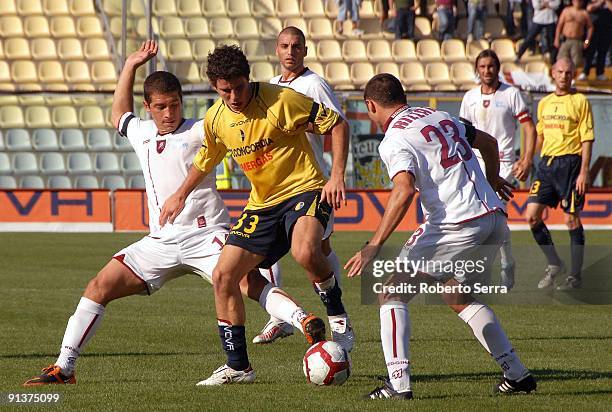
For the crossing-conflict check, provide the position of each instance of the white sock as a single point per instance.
(492, 337)
(80, 329)
(334, 263)
(274, 276)
(280, 306)
(395, 338)
(506, 251)
(327, 284)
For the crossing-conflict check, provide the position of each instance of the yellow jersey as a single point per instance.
(564, 122)
(268, 141)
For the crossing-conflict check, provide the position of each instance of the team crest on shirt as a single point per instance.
(161, 145)
(299, 206)
(486, 103)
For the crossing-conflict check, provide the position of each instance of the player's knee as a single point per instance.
(97, 291)
(572, 221)
(304, 256)
(221, 281)
(533, 220)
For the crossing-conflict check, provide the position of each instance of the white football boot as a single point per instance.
(552, 271)
(342, 331)
(225, 375)
(273, 330)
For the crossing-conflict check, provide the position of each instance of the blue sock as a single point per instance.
(577, 251)
(542, 237)
(234, 344)
(331, 296)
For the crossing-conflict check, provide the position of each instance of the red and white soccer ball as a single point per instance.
(327, 363)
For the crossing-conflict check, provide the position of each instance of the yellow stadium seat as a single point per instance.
(221, 28)
(89, 26)
(445, 87)
(453, 50)
(367, 10)
(474, 47)
(1, 51)
(354, 51)
(378, 51)
(246, 28)
(388, 67)
(437, 73)
(36, 26)
(312, 8)
(64, 117)
(286, 9)
(238, 8)
(494, 27)
(428, 50)
(257, 50)
(422, 27)
(141, 27)
(82, 8)
(77, 72)
(331, 9)
(24, 71)
(179, 50)
(63, 26)
(311, 52)
(263, 8)
(5, 72)
(338, 75)
(329, 51)
(171, 26)
(370, 27)
(116, 27)
(164, 8)
(7, 7)
(91, 117)
(269, 27)
(403, 50)
(504, 48)
(17, 48)
(189, 8)
(201, 48)
(110, 7)
(537, 67)
(29, 7)
(69, 49)
(136, 8)
(317, 68)
(187, 72)
(298, 22)
(462, 73)
(50, 72)
(320, 28)
(262, 71)
(96, 49)
(214, 8)
(196, 27)
(37, 117)
(412, 73)
(11, 26)
(361, 73)
(11, 117)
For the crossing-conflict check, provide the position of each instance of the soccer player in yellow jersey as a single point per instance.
(565, 136)
(263, 126)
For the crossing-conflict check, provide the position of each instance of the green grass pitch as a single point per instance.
(150, 351)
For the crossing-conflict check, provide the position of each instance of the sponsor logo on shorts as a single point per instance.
(299, 206)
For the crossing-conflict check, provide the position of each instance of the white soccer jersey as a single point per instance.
(314, 86)
(496, 114)
(165, 161)
(431, 145)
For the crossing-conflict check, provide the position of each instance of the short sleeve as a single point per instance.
(466, 129)
(129, 125)
(519, 108)
(297, 111)
(585, 126)
(322, 93)
(398, 159)
(212, 151)
(463, 109)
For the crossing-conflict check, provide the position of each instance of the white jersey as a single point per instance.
(165, 161)
(496, 114)
(314, 86)
(432, 146)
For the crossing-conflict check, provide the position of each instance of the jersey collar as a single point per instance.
(174, 131)
(393, 116)
(499, 84)
(293, 78)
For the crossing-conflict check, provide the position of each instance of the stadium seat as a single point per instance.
(403, 50)
(82, 8)
(317, 68)
(179, 50)
(130, 164)
(462, 74)
(7, 182)
(18, 140)
(121, 143)
(11, 26)
(30, 100)
(44, 140)
(77, 72)
(59, 182)
(96, 49)
(320, 28)
(116, 27)
(221, 28)
(214, 8)
(312, 8)
(24, 71)
(142, 28)
(31, 182)
(422, 27)
(453, 50)
(262, 71)
(37, 116)
(504, 48)
(70, 49)
(52, 164)
(29, 7)
(8, 7)
(269, 27)
(186, 71)
(286, 9)
(164, 8)
(62, 26)
(379, 51)
(60, 7)
(298, 22)
(361, 72)
(246, 28)
(331, 9)
(78, 164)
(338, 75)
(136, 8)
(388, 67)
(329, 51)
(238, 8)
(311, 55)
(196, 27)
(136, 182)
(11, 116)
(437, 73)
(354, 51)
(201, 48)
(5, 164)
(113, 182)
(43, 49)
(188, 8)
(24, 164)
(36, 26)
(106, 163)
(509, 67)
(171, 26)
(91, 117)
(71, 140)
(370, 27)
(263, 8)
(50, 72)
(258, 50)
(537, 67)
(86, 182)
(412, 73)
(494, 27)
(428, 50)
(474, 47)
(89, 26)
(17, 48)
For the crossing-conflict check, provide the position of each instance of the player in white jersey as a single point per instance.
(291, 50)
(429, 151)
(165, 147)
(495, 108)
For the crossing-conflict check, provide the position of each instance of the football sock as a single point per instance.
(334, 264)
(234, 344)
(577, 251)
(395, 338)
(331, 295)
(492, 337)
(280, 306)
(542, 237)
(274, 276)
(81, 327)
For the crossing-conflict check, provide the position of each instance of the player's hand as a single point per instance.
(148, 49)
(521, 169)
(556, 43)
(582, 183)
(171, 209)
(503, 188)
(334, 192)
(361, 260)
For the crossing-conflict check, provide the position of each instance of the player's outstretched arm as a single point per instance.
(399, 202)
(123, 99)
(490, 154)
(582, 181)
(522, 167)
(334, 191)
(176, 202)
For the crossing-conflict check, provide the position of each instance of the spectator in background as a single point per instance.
(477, 15)
(573, 23)
(344, 8)
(447, 10)
(405, 14)
(600, 12)
(544, 20)
(384, 15)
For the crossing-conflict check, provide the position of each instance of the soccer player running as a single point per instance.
(291, 50)
(495, 107)
(428, 150)
(264, 125)
(165, 146)
(565, 137)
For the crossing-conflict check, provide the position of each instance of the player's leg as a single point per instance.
(577, 241)
(275, 328)
(508, 263)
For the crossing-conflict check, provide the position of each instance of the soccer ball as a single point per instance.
(327, 363)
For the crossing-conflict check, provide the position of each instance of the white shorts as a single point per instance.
(156, 261)
(477, 241)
